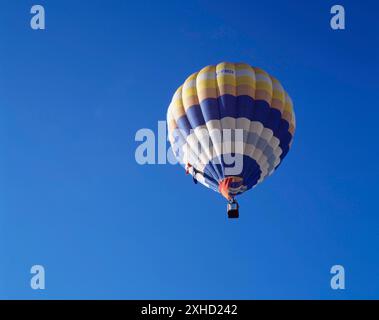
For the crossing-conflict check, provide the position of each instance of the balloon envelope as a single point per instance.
(230, 126)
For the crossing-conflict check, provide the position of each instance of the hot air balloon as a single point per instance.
(230, 126)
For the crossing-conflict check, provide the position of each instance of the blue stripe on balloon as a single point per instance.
(241, 106)
(195, 116)
(210, 109)
(184, 125)
(228, 106)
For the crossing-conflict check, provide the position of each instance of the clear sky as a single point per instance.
(73, 198)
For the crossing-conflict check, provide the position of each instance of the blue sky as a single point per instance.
(73, 198)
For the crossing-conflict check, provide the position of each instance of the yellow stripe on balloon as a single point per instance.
(206, 83)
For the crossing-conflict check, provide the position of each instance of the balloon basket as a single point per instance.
(233, 209)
